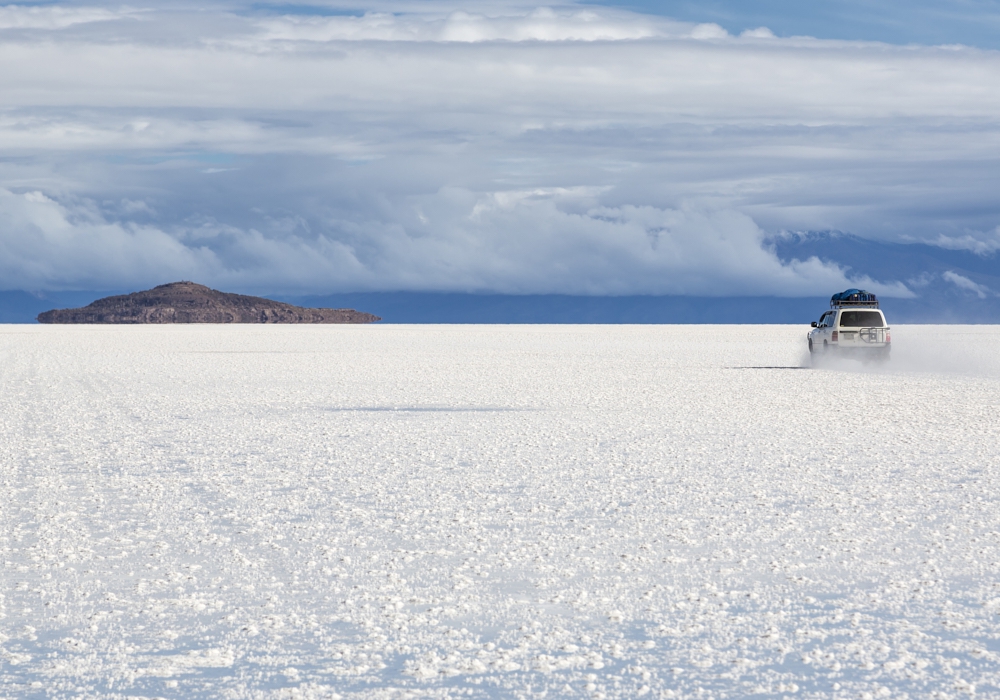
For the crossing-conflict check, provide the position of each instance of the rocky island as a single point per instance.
(187, 302)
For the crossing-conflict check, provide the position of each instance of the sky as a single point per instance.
(927, 22)
(493, 146)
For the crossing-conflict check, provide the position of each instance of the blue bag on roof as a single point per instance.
(854, 296)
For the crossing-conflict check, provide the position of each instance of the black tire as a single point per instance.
(811, 349)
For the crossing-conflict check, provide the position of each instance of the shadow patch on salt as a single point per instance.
(248, 352)
(770, 367)
(429, 409)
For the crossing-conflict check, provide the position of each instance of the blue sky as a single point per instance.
(493, 146)
(969, 22)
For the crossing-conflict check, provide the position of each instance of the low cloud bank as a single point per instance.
(520, 242)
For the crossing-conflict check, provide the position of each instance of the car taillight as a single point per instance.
(834, 336)
(888, 337)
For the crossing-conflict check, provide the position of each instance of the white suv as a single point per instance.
(854, 326)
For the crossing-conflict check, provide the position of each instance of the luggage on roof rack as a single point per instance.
(854, 297)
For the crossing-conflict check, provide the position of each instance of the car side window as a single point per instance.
(827, 320)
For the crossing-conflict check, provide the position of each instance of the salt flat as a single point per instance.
(496, 511)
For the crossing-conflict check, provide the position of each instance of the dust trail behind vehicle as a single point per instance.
(966, 350)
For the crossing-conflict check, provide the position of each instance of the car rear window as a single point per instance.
(861, 319)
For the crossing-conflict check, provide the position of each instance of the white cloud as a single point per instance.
(54, 16)
(44, 245)
(968, 285)
(541, 24)
(535, 241)
(758, 33)
(621, 80)
(709, 31)
(979, 244)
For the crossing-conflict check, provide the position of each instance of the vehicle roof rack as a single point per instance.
(854, 298)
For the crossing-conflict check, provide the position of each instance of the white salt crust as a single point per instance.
(496, 511)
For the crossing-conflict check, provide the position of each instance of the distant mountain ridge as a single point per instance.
(187, 302)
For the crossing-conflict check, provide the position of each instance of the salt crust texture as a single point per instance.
(490, 511)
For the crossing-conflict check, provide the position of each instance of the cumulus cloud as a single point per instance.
(487, 146)
(758, 33)
(534, 241)
(541, 24)
(45, 245)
